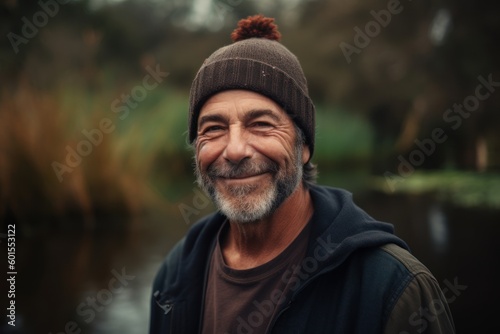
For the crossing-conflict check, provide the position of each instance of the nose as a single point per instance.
(237, 147)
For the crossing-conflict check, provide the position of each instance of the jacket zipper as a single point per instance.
(167, 307)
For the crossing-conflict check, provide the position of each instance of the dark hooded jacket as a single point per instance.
(357, 277)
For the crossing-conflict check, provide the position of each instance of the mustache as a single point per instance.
(244, 168)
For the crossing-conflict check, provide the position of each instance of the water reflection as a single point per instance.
(438, 228)
(126, 314)
(96, 282)
(58, 271)
(455, 243)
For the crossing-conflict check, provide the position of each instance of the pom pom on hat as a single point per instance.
(256, 26)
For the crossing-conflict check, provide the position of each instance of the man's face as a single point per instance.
(248, 158)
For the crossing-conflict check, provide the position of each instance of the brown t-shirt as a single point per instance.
(245, 301)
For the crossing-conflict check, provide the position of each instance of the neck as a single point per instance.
(252, 244)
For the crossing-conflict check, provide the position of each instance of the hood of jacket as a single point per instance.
(340, 227)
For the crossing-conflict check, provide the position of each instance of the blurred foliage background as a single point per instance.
(60, 77)
(88, 144)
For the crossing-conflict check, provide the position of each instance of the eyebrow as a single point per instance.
(256, 113)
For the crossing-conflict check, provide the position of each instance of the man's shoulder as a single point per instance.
(391, 260)
(403, 256)
(420, 291)
(394, 270)
(389, 271)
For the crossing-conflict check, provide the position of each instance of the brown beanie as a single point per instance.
(256, 61)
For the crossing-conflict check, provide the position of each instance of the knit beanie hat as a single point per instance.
(256, 61)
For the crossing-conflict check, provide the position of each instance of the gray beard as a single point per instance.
(238, 207)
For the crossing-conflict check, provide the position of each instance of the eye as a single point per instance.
(212, 128)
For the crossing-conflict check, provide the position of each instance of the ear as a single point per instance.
(306, 154)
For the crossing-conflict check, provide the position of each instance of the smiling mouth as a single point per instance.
(246, 177)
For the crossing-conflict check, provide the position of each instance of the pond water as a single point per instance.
(100, 282)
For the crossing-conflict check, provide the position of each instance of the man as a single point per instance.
(281, 254)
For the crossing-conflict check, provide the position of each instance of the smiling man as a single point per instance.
(281, 254)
